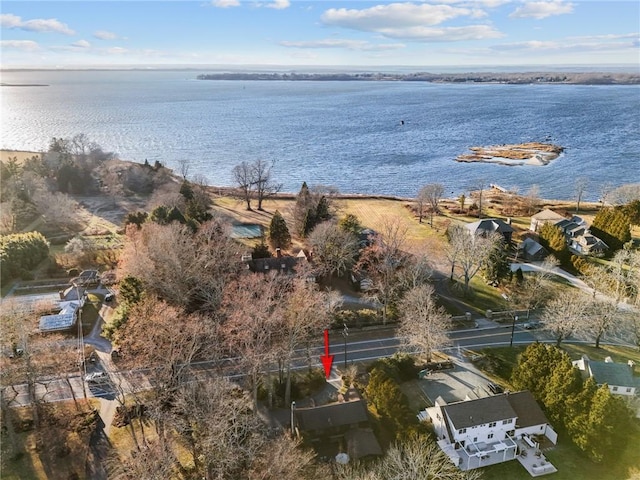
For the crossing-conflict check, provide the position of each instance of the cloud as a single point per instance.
(24, 45)
(278, 4)
(597, 43)
(442, 34)
(41, 25)
(81, 44)
(393, 15)
(225, 3)
(105, 35)
(540, 10)
(360, 45)
(116, 51)
(412, 22)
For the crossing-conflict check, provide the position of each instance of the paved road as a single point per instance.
(358, 349)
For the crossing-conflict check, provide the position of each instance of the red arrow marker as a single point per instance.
(327, 360)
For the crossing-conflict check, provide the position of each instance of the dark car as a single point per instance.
(109, 297)
(495, 388)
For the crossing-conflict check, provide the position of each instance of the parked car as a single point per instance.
(495, 388)
(97, 377)
(109, 297)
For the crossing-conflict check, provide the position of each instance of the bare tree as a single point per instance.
(602, 317)
(531, 201)
(58, 209)
(416, 271)
(480, 185)
(283, 459)
(565, 314)
(423, 324)
(184, 165)
(580, 186)
(253, 309)
(418, 457)
(537, 287)
(243, 177)
(263, 182)
(334, 249)
(184, 268)
(305, 314)
(432, 193)
(156, 460)
(220, 429)
(469, 252)
(605, 192)
(382, 262)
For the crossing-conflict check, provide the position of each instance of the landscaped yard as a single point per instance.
(571, 463)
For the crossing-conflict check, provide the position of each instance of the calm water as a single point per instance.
(344, 134)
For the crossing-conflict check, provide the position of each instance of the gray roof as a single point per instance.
(530, 246)
(613, 374)
(489, 225)
(478, 412)
(362, 442)
(528, 411)
(547, 215)
(332, 415)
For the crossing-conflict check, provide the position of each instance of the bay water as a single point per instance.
(362, 137)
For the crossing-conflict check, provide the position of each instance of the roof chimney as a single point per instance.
(278, 253)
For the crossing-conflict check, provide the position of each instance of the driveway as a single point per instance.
(455, 384)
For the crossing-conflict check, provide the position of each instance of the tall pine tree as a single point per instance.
(279, 236)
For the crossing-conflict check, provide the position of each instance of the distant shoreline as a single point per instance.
(525, 78)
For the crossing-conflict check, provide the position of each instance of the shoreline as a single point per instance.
(5, 154)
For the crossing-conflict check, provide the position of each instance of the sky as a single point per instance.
(343, 33)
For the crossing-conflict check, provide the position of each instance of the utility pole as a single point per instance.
(345, 334)
(513, 327)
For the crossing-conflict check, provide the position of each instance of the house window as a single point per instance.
(628, 389)
(490, 436)
(492, 424)
(615, 389)
(475, 439)
(462, 430)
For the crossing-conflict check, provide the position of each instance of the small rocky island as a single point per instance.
(530, 153)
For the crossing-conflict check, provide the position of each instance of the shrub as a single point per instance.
(21, 251)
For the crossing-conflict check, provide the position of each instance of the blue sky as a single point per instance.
(320, 33)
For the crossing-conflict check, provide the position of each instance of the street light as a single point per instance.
(514, 318)
(345, 334)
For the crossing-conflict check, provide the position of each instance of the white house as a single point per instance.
(618, 376)
(542, 217)
(485, 431)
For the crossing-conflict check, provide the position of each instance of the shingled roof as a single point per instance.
(613, 374)
(478, 412)
(332, 415)
(527, 409)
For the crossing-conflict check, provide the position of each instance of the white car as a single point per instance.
(97, 377)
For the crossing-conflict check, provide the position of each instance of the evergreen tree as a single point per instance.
(322, 210)
(497, 265)
(261, 250)
(279, 236)
(553, 239)
(186, 191)
(303, 212)
(613, 227)
(350, 223)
